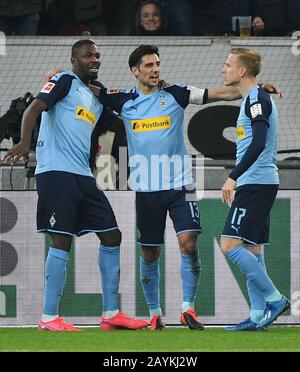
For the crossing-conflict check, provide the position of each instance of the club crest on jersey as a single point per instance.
(52, 220)
(47, 87)
(163, 102)
(86, 115)
(240, 131)
(162, 122)
(256, 110)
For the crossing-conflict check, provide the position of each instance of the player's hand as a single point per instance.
(51, 73)
(20, 150)
(272, 88)
(227, 191)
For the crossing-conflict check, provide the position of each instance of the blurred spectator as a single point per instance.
(20, 17)
(258, 26)
(270, 18)
(150, 20)
(179, 16)
(214, 17)
(275, 17)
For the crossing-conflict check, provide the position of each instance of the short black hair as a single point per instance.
(78, 45)
(136, 56)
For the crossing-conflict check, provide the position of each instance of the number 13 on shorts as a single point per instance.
(194, 210)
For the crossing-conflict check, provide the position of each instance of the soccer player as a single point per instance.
(69, 202)
(256, 177)
(161, 174)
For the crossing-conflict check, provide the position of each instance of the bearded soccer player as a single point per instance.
(161, 174)
(256, 178)
(69, 201)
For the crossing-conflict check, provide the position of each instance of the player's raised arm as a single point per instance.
(21, 149)
(223, 94)
(231, 93)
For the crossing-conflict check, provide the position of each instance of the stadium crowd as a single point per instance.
(140, 17)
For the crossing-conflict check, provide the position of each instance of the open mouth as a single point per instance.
(94, 69)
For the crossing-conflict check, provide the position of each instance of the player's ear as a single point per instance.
(73, 61)
(135, 71)
(243, 71)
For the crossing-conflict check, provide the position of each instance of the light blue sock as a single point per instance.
(149, 276)
(249, 265)
(187, 305)
(157, 311)
(190, 274)
(55, 278)
(256, 315)
(257, 299)
(109, 266)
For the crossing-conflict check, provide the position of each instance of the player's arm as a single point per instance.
(48, 76)
(51, 92)
(258, 113)
(30, 116)
(112, 98)
(222, 94)
(108, 97)
(232, 93)
(107, 121)
(256, 147)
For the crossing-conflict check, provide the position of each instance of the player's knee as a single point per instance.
(150, 254)
(188, 242)
(61, 241)
(189, 247)
(227, 244)
(111, 238)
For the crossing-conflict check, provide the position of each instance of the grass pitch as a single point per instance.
(168, 340)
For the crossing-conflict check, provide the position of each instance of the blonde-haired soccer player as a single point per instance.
(256, 177)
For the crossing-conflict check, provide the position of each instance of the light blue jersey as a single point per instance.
(65, 134)
(154, 124)
(258, 106)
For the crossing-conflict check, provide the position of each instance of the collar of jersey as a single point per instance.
(137, 91)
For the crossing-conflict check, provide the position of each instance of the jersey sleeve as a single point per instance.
(115, 98)
(256, 147)
(259, 109)
(55, 90)
(181, 93)
(198, 96)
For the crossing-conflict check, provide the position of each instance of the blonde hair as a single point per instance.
(249, 59)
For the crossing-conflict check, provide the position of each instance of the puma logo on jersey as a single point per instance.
(144, 125)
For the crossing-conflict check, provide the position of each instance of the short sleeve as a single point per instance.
(55, 90)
